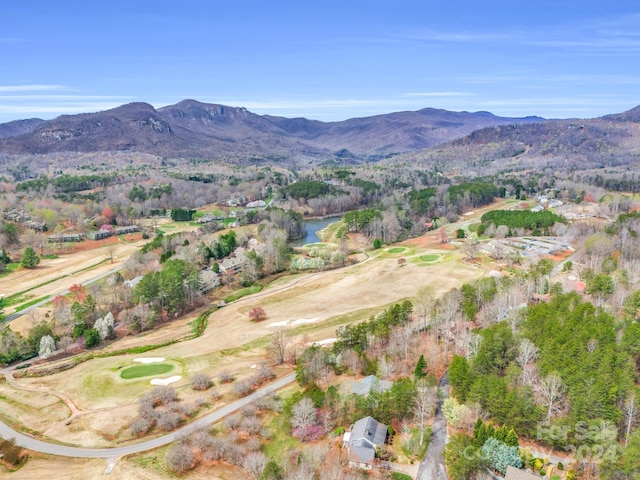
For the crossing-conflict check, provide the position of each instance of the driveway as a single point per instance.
(432, 466)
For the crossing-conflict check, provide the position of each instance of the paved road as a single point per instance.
(432, 466)
(109, 453)
(15, 315)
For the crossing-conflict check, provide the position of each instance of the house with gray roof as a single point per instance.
(370, 384)
(365, 436)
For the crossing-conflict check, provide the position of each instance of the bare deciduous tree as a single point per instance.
(527, 354)
(180, 458)
(550, 390)
(424, 403)
(425, 301)
(303, 416)
(255, 463)
(280, 345)
(630, 411)
(201, 382)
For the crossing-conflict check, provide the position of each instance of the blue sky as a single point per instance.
(322, 59)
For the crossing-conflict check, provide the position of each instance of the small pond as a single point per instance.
(312, 227)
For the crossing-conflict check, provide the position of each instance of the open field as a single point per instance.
(37, 410)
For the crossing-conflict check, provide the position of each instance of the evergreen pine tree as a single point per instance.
(421, 367)
(501, 433)
(30, 258)
(479, 433)
(511, 438)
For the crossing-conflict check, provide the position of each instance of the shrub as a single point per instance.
(140, 426)
(201, 382)
(161, 395)
(257, 314)
(91, 338)
(251, 425)
(180, 459)
(242, 388)
(11, 453)
(167, 421)
(226, 377)
(265, 373)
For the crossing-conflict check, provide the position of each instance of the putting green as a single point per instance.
(138, 371)
(397, 250)
(431, 257)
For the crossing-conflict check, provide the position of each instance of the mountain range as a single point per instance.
(477, 142)
(573, 144)
(194, 129)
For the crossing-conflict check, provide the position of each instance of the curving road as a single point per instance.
(109, 453)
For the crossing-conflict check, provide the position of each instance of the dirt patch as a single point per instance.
(36, 410)
(62, 468)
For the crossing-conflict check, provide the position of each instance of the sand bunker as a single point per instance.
(165, 381)
(149, 360)
(286, 323)
(279, 324)
(304, 320)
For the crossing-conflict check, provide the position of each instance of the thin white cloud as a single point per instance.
(457, 37)
(300, 104)
(57, 109)
(63, 97)
(439, 94)
(31, 88)
(567, 102)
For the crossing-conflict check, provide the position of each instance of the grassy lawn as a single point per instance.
(242, 293)
(329, 232)
(12, 267)
(30, 303)
(411, 447)
(400, 476)
(138, 371)
(431, 257)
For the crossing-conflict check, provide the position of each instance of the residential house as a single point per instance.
(366, 435)
(65, 237)
(208, 280)
(207, 218)
(232, 265)
(126, 229)
(99, 234)
(369, 384)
